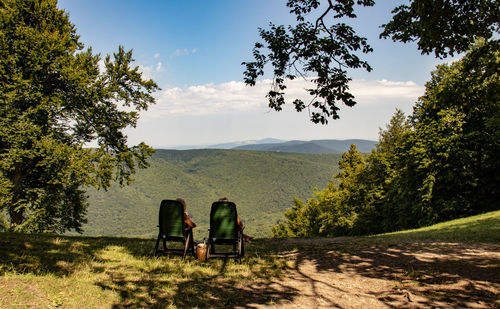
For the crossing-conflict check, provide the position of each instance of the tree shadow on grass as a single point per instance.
(197, 290)
(59, 255)
(426, 274)
(214, 284)
(128, 269)
(415, 274)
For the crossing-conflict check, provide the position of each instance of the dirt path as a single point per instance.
(335, 273)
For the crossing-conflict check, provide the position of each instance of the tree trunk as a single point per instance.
(16, 215)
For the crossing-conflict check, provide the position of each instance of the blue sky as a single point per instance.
(194, 50)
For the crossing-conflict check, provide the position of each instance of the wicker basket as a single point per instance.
(201, 251)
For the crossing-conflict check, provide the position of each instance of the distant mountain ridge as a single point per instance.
(321, 146)
(325, 146)
(233, 145)
(229, 145)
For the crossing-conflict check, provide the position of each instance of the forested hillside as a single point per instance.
(262, 184)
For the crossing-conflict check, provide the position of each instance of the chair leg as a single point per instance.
(186, 245)
(241, 249)
(156, 246)
(192, 245)
(164, 246)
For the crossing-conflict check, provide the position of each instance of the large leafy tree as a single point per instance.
(55, 100)
(440, 164)
(449, 162)
(321, 46)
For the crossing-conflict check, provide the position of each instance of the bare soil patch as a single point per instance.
(352, 273)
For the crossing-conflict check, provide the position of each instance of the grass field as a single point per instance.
(48, 271)
(480, 228)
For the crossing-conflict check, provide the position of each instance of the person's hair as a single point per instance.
(183, 202)
(223, 199)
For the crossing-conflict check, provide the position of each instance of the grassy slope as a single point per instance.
(262, 184)
(46, 271)
(480, 228)
(43, 271)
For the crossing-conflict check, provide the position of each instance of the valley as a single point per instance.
(262, 184)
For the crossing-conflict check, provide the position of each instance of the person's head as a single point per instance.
(223, 199)
(182, 201)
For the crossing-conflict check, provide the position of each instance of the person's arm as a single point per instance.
(188, 221)
(240, 225)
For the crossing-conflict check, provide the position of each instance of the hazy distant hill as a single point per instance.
(262, 184)
(326, 146)
(229, 145)
(233, 145)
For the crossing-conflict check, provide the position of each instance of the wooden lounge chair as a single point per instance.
(224, 230)
(172, 228)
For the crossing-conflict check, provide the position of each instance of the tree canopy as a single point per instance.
(439, 164)
(320, 49)
(444, 27)
(56, 99)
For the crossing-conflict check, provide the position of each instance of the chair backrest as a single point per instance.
(171, 218)
(223, 221)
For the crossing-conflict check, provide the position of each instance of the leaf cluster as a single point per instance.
(444, 27)
(319, 51)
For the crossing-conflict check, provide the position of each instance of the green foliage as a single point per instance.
(440, 164)
(262, 184)
(54, 100)
(449, 162)
(329, 212)
(317, 48)
(322, 51)
(302, 221)
(444, 27)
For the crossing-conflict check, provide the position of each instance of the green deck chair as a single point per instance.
(224, 230)
(172, 228)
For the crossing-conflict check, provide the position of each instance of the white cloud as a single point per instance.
(216, 113)
(231, 97)
(375, 90)
(150, 71)
(147, 71)
(156, 55)
(184, 52)
(159, 67)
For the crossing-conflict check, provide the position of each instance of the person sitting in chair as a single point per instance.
(247, 238)
(187, 218)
